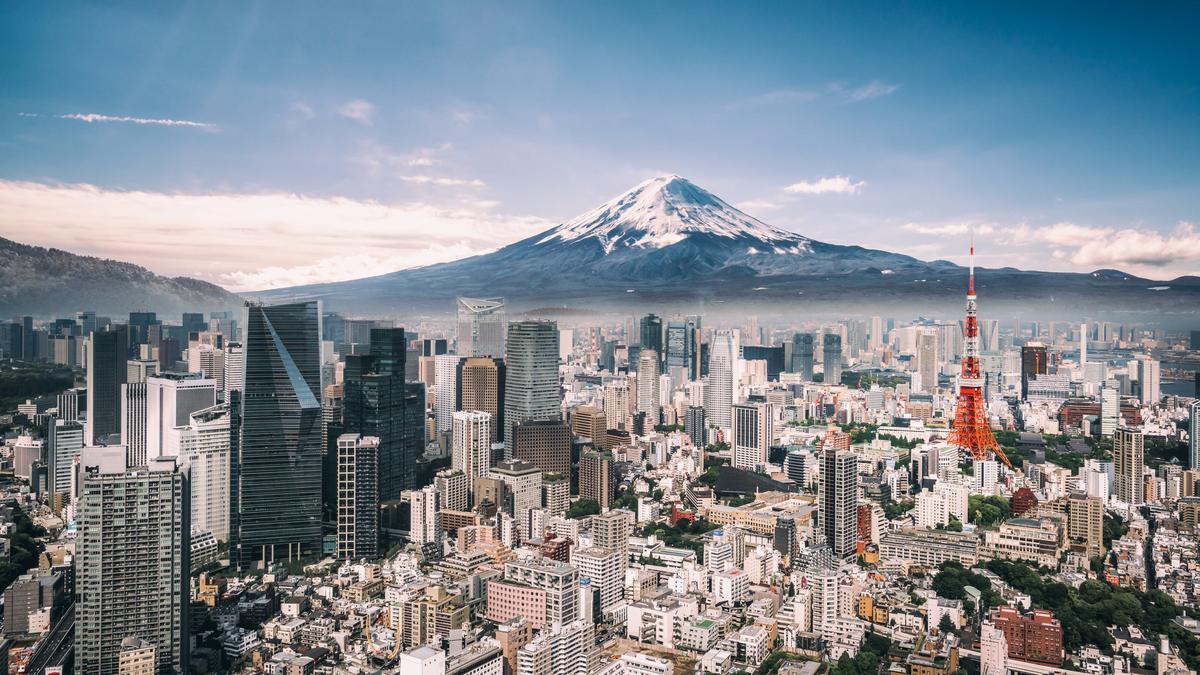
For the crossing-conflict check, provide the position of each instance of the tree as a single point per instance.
(946, 625)
(583, 508)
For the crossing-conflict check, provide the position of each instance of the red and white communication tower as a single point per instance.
(971, 430)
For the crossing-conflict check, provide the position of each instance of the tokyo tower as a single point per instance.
(971, 431)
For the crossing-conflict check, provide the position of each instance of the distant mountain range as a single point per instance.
(47, 282)
(669, 244)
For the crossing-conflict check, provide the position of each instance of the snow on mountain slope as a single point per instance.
(666, 210)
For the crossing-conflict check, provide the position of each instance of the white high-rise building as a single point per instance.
(208, 361)
(933, 509)
(616, 402)
(235, 368)
(133, 422)
(1194, 436)
(568, 649)
(605, 567)
(65, 444)
(824, 588)
(993, 650)
(647, 386)
(719, 392)
(985, 475)
(471, 443)
(171, 398)
(426, 517)
(446, 389)
(1110, 408)
(481, 327)
(1149, 377)
(204, 450)
(876, 333)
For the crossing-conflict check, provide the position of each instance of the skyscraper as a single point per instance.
(106, 371)
(647, 384)
(1149, 374)
(446, 389)
(1110, 408)
(651, 334)
(839, 493)
(133, 422)
(481, 327)
(524, 483)
(752, 435)
(204, 449)
(1034, 362)
(132, 565)
(358, 496)
(597, 479)
(1194, 436)
(481, 387)
(802, 355)
(376, 402)
(425, 515)
(832, 358)
(927, 361)
(66, 441)
(471, 443)
(1129, 454)
(277, 478)
(719, 395)
(171, 398)
(531, 387)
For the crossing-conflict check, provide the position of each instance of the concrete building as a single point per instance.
(531, 388)
(545, 444)
(357, 496)
(1128, 465)
(133, 565)
(597, 477)
(480, 387)
(753, 435)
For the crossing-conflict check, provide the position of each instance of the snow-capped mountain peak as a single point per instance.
(666, 210)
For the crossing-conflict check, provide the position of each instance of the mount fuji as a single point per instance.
(671, 244)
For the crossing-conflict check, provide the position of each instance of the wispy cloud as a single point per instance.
(443, 181)
(360, 110)
(757, 205)
(302, 109)
(832, 91)
(870, 90)
(828, 185)
(94, 118)
(328, 238)
(948, 229)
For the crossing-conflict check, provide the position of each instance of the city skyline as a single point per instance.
(420, 138)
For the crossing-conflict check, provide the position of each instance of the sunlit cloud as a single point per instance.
(255, 241)
(830, 185)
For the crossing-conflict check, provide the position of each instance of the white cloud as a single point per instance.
(754, 205)
(870, 90)
(834, 184)
(92, 118)
(302, 109)
(360, 110)
(1140, 251)
(443, 181)
(254, 241)
(948, 229)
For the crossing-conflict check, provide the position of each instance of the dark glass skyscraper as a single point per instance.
(375, 405)
(802, 355)
(278, 472)
(832, 358)
(107, 370)
(652, 335)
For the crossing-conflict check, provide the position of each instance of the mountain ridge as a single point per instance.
(48, 282)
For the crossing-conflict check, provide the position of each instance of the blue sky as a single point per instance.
(317, 143)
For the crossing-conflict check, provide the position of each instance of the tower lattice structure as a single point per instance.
(971, 430)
